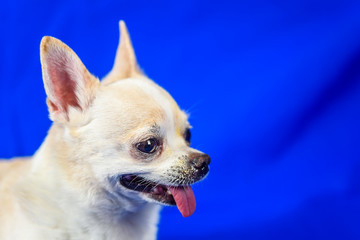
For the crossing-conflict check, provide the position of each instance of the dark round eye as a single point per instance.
(148, 146)
(187, 136)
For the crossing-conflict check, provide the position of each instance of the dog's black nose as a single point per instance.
(200, 161)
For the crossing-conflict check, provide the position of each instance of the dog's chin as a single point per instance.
(150, 190)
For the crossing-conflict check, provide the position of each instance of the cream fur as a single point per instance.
(65, 190)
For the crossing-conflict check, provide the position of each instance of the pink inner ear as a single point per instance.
(63, 84)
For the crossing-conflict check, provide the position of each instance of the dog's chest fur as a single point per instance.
(72, 226)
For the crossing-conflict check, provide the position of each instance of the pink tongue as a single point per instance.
(185, 199)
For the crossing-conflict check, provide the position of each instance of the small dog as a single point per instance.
(117, 150)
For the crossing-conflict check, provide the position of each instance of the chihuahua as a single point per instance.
(117, 150)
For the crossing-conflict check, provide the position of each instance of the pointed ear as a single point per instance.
(125, 65)
(68, 84)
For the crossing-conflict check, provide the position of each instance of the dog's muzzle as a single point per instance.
(178, 191)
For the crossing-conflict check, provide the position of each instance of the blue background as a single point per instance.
(273, 88)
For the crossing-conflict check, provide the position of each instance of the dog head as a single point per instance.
(129, 133)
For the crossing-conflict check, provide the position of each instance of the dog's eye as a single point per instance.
(187, 136)
(148, 146)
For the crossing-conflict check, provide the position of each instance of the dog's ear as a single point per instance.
(125, 65)
(68, 84)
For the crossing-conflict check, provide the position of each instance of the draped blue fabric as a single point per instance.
(273, 88)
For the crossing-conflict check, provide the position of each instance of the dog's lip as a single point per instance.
(155, 191)
(182, 195)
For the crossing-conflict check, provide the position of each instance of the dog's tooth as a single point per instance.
(157, 190)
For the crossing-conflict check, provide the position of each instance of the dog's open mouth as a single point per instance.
(181, 196)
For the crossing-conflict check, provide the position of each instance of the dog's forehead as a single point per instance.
(141, 101)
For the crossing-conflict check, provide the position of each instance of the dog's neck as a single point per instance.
(86, 203)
